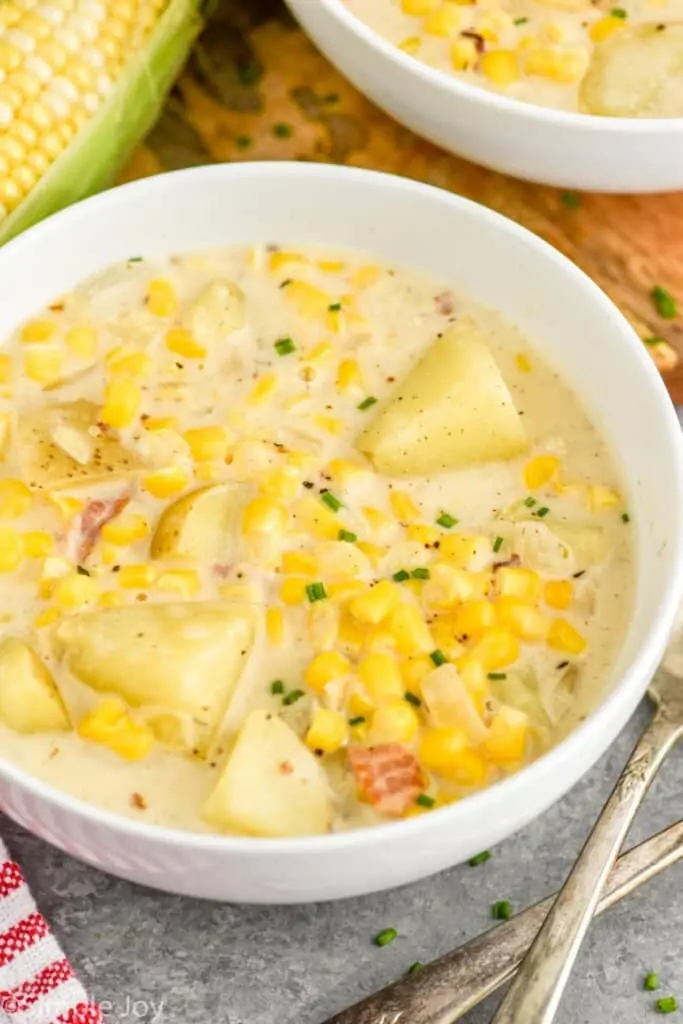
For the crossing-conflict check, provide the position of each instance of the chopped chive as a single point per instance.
(384, 937)
(420, 574)
(497, 544)
(401, 576)
(413, 699)
(651, 983)
(625, 517)
(446, 521)
(543, 511)
(520, 21)
(438, 657)
(529, 502)
(415, 968)
(335, 307)
(501, 910)
(316, 592)
(282, 130)
(330, 500)
(664, 302)
(284, 346)
(277, 687)
(619, 12)
(667, 1004)
(424, 800)
(654, 340)
(135, 259)
(293, 696)
(497, 675)
(570, 200)
(346, 535)
(358, 720)
(243, 141)
(367, 403)
(480, 858)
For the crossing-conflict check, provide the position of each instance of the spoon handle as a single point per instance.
(536, 991)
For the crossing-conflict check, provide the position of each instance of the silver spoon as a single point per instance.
(445, 990)
(535, 994)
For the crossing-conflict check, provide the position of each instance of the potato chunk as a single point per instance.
(29, 699)
(217, 312)
(271, 785)
(202, 524)
(637, 72)
(62, 447)
(184, 659)
(453, 409)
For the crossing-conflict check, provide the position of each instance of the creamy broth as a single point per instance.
(539, 51)
(288, 357)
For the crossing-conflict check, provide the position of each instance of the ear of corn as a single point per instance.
(65, 133)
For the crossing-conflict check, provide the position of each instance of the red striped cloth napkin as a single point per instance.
(37, 984)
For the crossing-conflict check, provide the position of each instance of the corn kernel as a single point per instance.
(277, 260)
(464, 550)
(376, 518)
(342, 590)
(464, 54)
(445, 636)
(155, 423)
(562, 636)
(500, 67)
(366, 276)
(330, 424)
(343, 470)
(207, 443)
(603, 28)
(414, 670)
(511, 581)
(111, 599)
(410, 630)
(522, 619)
(474, 618)
(5, 368)
(46, 618)
(323, 625)
(410, 45)
(326, 667)
(264, 516)
(328, 731)
(374, 606)
(11, 549)
(444, 22)
(161, 297)
(359, 704)
(558, 594)
(565, 66)
(82, 341)
(164, 483)
(523, 363)
(183, 343)
(299, 562)
(403, 506)
(263, 388)
(37, 544)
(111, 725)
(446, 751)
(43, 365)
(275, 625)
(394, 722)
(382, 677)
(136, 577)
(312, 516)
(15, 498)
(331, 266)
(474, 678)
(74, 591)
(419, 8)
(122, 400)
(125, 529)
(498, 648)
(421, 533)
(600, 498)
(540, 471)
(349, 375)
(281, 483)
(448, 586)
(317, 353)
(184, 582)
(507, 736)
(293, 590)
(38, 331)
(372, 551)
(310, 301)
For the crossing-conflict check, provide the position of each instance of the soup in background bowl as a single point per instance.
(316, 531)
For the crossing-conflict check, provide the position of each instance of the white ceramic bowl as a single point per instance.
(553, 147)
(499, 263)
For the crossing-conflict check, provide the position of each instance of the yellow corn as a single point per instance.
(323, 625)
(38, 331)
(46, 618)
(565, 66)
(161, 297)
(74, 591)
(164, 483)
(127, 362)
(410, 630)
(507, 736)
(326, 667)
(562, 636)
(414, 670)
(498, 648)
(5, 368)
(464, 54)
(207, 443)
(4, 434)
(122, 400)
(474, 678)
(523, 363)
(264, 516)
(293, 590)
(558, 594)
(43, 365)
(421, 533)
(182, 342)
(82, 341)
(448, 586)
(279, 259)
(601, 498)
(514, 582)
(15, 498)
(184, 582)
(262, 389)
(312, 516)
(446, 751)
(343, 590)
(464, 550)
(37, 544)
(419, 8)
(445, 636)
(605, 27)
(521, 618)
(394, 722)
(111, 599)
(376, 518)
(136, 577)
(343, 470)
(403, 506)
(310, 301)
(275, 625)
(111, 725)
(445, 22)
(328, 731)
(366, 276)
(474, 618)
(349, 375)
(11, 549)
(372, 551)
(540, 471)
(410, 45)
(359, 704)
(381, 677)
(155, 423)
(125, 529)
(299, 562)
(374, 605)
(330, 424)
(500, 67)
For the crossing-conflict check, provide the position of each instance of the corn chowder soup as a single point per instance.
(294, 542)
(615, 61)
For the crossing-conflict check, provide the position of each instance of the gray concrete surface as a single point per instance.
(151, 957)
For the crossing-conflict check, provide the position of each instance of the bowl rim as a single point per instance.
(109, 204)
(569, 119)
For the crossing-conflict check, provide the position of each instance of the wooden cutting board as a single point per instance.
(256, 89)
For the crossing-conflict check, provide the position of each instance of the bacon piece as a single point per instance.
(388, 776)
(89, 523)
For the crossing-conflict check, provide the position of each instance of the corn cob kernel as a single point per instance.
(366, 276)
(376, 518)
(15, 498)
(299, 562)
(381, 676)
(263, 388)
(183, 343)
(183, 582)
(293, 591)
(558, 594)
(562, 636)
(46, 618)
(565, 66)
(11, 549)
(446, 637)
(125, 529)
(207, 443)
(512, 581)
(111, 725)
(328, 731)
(449, 585)
(344, 470)
(38, 331)
(74, 591)
(331, 266)
(263, 515)
(37, 544)
(275, 625)
(310, 301)
(277, 260)
(500, 67)
(540, 471)
(446, 751)
(349, 375)
(498, 648)
(323, 625)
(521, 619)
(395, 722)
(43, 365)
(111, 599)
(155, 423)
(523, 363)
(122, 400)
(374, 605)
(161, 297)
(403, 506)
(419, 8)
(446, 22)
(410, 630)
(603, 28)
(507, 736)
(129, 363)
(5, 368)
(414, 670)
(410, 45)
(166, 482)
(473, 619)
(600, 498)
(464, 54)
(372, 551)
(82, 341)
(136, 577)
(325, 668)
(312, 516)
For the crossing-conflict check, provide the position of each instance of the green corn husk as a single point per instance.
(99, 152)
